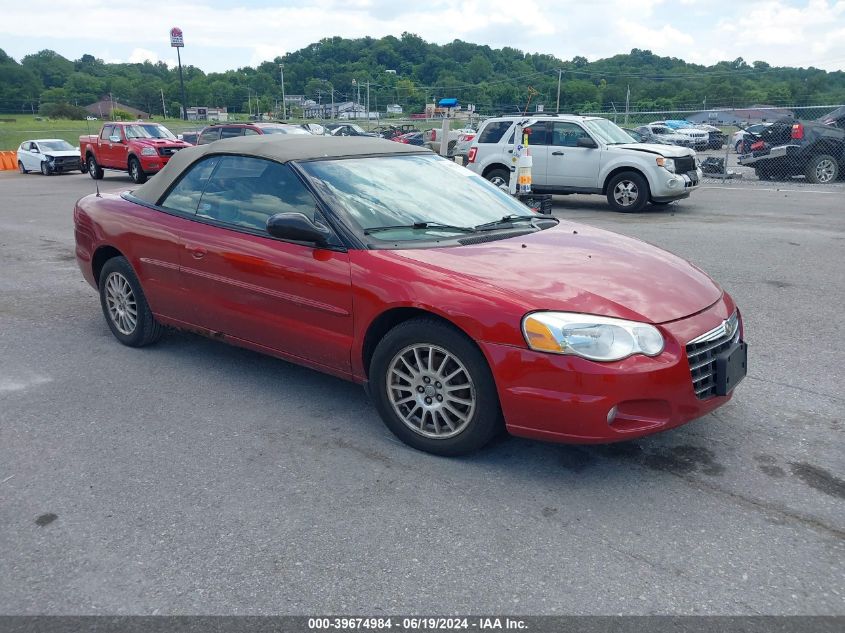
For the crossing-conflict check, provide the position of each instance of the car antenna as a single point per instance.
(96, 184)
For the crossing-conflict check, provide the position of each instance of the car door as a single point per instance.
(570, 166)
(107, 151)
(289, 297)
(32, 157)
(538, 148)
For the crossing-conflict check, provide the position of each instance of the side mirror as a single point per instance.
(35, 150)
(297, 227)
(586, 141)
(114, 138)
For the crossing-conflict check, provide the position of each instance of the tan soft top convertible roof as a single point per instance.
(277, 147)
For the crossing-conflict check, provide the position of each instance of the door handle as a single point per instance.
(197, 252)
(557, 153)
(510, 151)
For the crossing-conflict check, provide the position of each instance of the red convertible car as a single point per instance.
(461, 311)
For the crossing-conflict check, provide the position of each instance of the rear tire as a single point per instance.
(499, 177)
(94, 170)
(124, 305)
(627, 192)
(434, 389)
(22, 169)
(136, 172)
(822, 169)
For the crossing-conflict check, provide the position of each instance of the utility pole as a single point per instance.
(163, 108)
(559, 73)
(627, 102)
(368, 104)
(284, 106)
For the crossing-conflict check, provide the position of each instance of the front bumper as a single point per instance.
(667, 186)
(152, 164)
(569, 399)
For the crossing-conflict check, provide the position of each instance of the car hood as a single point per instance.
(160, 142)
(669, 151)
(62, 152)
(581, 269)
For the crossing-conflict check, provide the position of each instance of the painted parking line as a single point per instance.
(837, 192)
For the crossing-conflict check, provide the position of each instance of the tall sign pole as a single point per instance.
(284, 105)
(177, 42)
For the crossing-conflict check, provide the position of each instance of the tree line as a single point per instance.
(411, 72)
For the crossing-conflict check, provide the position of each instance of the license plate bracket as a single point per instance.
(731, 368)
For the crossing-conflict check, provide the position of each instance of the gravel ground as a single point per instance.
(196, 478)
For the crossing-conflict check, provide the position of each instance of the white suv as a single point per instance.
(578, 154)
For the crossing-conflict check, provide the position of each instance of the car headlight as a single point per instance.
(666, 163)
(589, 336)
(49, 157)
(148, 151)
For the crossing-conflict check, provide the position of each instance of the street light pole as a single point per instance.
(284, 106)
(559, 73)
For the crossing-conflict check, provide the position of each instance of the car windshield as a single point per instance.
(403, 191)
(55, 146)
(608, 132)
(148, 130)
(282, 129)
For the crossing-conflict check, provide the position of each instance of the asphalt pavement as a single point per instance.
(195, 478)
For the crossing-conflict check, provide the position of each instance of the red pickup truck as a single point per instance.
(141, 148)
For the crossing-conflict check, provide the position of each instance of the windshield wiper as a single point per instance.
(506, 222)
(419, 225)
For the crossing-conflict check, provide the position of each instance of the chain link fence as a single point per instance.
(786, 144)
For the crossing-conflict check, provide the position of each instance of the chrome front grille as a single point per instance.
(702, 352)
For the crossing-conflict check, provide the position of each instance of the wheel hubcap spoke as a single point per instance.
(431, 391)
(121, 304)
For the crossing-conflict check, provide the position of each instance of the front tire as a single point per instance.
(433, 388)
(822, 169)
(627, 192)
(22, 169)
(45, 169)
(94, 170)
(136, 172)
(125, 307)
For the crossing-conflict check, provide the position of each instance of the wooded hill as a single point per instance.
(493, 79)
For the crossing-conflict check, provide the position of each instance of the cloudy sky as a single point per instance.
(223, 34)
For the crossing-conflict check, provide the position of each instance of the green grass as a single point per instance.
(26, 127)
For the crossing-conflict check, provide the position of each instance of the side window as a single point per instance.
(250, 132)
(493, 132)
(185, 196)
(108, 130)
(209, 136)
(246, 191)
(537, 134)
(230, 132)
(567, 134)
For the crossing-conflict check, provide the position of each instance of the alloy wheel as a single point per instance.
(431, 391)
(825, 170)
(625, 193)
(121, 303)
